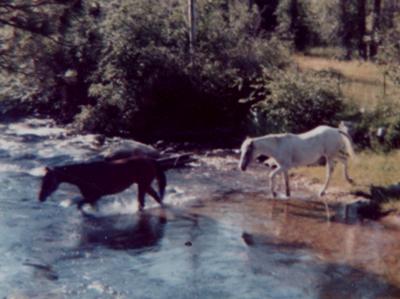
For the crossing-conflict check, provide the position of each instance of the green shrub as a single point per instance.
(392, 137)
(294, 101)
(366, 125)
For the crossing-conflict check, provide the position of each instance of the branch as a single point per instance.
(31, 30)
(28, 6)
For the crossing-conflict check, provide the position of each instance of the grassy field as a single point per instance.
(366, 168)
(364, 84)
(361, 82)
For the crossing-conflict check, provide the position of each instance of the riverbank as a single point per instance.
(375, 174)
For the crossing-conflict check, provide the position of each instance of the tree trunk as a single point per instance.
(376, 28)
(345, 30)
(192, 27)
(361, 9)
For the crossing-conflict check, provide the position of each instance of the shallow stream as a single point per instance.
(220, 236)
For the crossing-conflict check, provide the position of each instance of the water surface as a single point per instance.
(220, 236)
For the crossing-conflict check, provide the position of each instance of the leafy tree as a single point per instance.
(33, 58)
(297, 23)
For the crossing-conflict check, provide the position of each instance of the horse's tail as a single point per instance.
(161, 179)
(348, 143)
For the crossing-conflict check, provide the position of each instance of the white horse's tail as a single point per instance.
(348, 143)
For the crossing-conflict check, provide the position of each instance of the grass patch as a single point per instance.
(367, 169)
(361, 82)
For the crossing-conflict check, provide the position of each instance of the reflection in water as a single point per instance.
(367, 248)
(123, 232)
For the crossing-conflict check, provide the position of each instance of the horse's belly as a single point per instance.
(119, 188)
(304, 158)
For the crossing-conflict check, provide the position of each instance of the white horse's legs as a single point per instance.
(287, 187)
(285, 175)
(329, 169)
(343, 160)
(272, 175)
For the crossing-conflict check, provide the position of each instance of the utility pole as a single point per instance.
(192, 27)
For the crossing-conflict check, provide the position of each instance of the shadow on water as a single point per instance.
(123, 232)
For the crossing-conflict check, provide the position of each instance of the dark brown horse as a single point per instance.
(99, 178)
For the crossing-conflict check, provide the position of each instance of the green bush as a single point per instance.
(147, 75)
(392, 137)
(366, 125)
(294, 101)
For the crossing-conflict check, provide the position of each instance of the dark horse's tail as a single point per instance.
(161, 180)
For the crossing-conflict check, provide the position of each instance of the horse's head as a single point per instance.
(50, 183)
(246, 153)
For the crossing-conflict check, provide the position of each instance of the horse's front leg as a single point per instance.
(329, 169)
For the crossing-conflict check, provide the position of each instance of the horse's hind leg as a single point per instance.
(141, 196)
(286, 178)
(80, 204)
(91, 201)
(154, 194)
(329, 169)
(343, 160)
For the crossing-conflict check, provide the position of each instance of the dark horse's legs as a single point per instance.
(141, 195)
(84, 201)
(154, 194)
(80, 204)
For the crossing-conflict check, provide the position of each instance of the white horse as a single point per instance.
(293, 150)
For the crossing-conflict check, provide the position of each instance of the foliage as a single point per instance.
(378, 129)
(40, 50)
(148, 78)
(389, 55)
(298, 23)
(124, 66)
(295, 102)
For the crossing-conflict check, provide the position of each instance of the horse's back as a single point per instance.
(319, 131)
